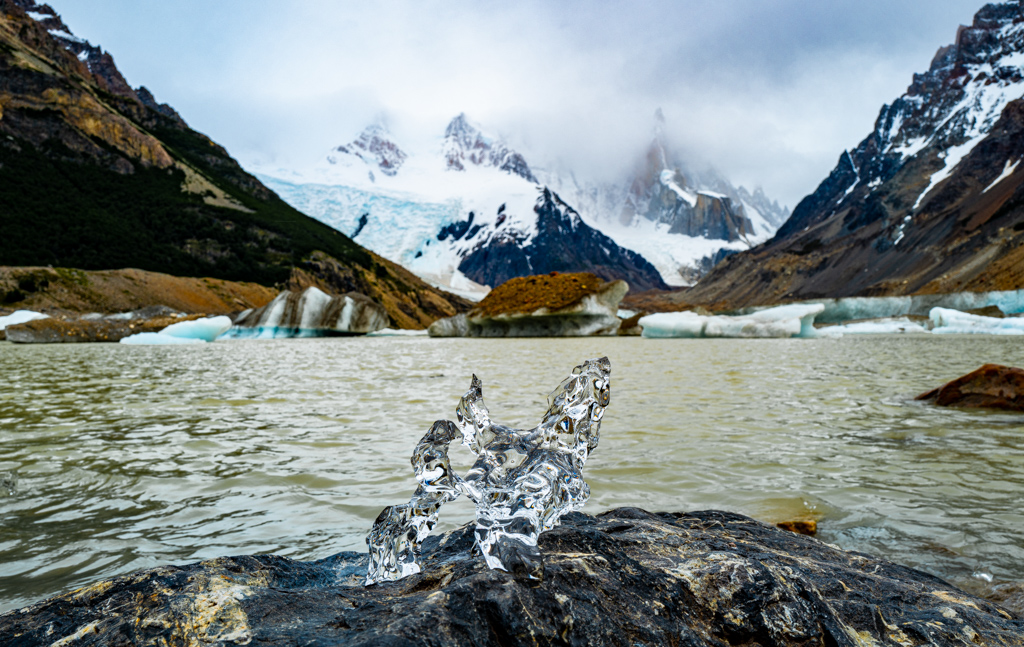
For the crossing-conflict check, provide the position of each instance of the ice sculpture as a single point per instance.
(522, 482)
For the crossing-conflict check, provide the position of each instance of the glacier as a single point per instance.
(427, 210)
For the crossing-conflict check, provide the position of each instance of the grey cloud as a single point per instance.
(768, 91)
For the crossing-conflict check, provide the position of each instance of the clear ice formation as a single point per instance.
(196, 331)
(523, 480)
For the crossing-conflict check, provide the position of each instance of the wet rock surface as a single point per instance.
(992, 387)
(551, 305)
(625, 577)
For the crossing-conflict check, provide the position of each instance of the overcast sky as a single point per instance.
(769, 92)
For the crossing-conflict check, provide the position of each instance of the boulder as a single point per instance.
(992, 386)
(625, 577)
(312, 313)
(550, 305)
(91, 328)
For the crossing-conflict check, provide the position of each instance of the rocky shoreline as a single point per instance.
(624, 577)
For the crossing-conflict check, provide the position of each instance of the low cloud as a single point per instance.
(768, 92)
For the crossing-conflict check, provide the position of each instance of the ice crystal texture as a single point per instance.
(522, 482)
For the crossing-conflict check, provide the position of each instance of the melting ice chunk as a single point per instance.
(20, 316)
(157, 339)
(523, 482)
(955, 322)
(795, 320)
(887, 326)
(197, 331)
(207, 329)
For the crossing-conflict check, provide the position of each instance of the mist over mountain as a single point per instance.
(440, 210)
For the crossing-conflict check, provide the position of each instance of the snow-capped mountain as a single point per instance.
(466, 144)
(683, 221)
(929, 201)
(440, 211)
(374, 148)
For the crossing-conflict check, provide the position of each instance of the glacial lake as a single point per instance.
(115, 458)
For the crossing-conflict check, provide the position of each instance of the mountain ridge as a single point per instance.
(97, 176)
(926, 203)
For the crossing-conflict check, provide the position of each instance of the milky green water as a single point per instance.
(130, 457)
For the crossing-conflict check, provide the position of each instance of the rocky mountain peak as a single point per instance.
(945, 112)
(465, 143)
(99, 63)
(376, 147)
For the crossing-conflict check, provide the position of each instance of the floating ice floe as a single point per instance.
(889, 326)
(158, 339)
(197, 331)
(946, 321)
(312, 313)
(19, 317)
(852, 308)
(795, 320)
(392, 332)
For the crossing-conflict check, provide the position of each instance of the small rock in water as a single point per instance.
(807, 527)
(991, 386)
(8, 483)
(523, 482)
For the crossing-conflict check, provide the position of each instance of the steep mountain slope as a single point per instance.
(928, 202)
(466, 214)
(96, 175)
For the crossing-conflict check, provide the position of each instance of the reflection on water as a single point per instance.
(115, 458)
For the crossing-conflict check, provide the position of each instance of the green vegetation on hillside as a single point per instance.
(57, 210)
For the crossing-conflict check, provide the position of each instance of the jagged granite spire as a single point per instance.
(464, 144)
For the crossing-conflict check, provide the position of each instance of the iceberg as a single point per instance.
(158, 339)
(523, 481)
(946, 322)
(793, 320)
(196, 331)
(886, 326)
(392, 332)
(207, 329)
(20, 316)
(852, 308)
(312, 313)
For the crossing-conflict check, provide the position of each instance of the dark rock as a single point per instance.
(630, 326)
(807, 527)
(626, 577)
(992, 386)
(563, 243)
